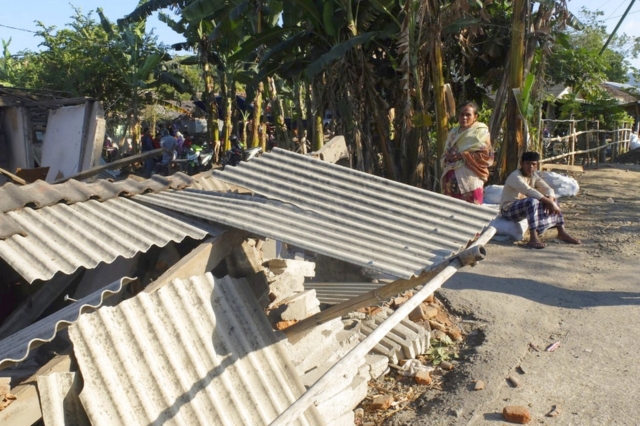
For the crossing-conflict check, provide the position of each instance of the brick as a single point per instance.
(381, 402)
(423, 378)
(281, 325)
(455, 333)
(423, 312)
(396, 302)
(516, 414)
(430, 299)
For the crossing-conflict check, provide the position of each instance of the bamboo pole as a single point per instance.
(354, 356)
(579, 152)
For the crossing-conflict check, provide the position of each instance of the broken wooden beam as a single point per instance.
(202, 259)
(118, 164)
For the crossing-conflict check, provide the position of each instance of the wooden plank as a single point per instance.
(13, 177)
(565, 167)
(25, 410)
(469, 256)
(202, 259)
(118, 164)
(354, 358)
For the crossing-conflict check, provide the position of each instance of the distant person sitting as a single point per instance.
(526, 195)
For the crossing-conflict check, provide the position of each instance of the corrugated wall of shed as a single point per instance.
(197, 351)
(334, 293)
(63, 238)
(16, 347)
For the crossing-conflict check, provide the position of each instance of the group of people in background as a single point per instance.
(466, 161)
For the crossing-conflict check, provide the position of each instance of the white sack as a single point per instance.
(564, 186)
(492, 194)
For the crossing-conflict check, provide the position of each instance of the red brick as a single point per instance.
(381, 402)
(423, 378)
(516, 414)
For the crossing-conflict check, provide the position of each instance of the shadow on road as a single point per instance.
(541, 292)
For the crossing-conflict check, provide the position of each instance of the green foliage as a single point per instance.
(442, 349)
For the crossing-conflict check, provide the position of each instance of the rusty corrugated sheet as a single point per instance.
(359, 218)
(16, 347)
(197, 351)
(59, 400)
(63, 238)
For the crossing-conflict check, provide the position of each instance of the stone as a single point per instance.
(396, 302)
(284, 286)
(435, 325)
(514, 381)
(430, 298)
(381, 402)
(437, 334)
(516, 414)
(423, 378)
(359, 413)
(5, 385)
(446, 365)
(423, 312)
(454, 333)
(300, 306)
(479, 385)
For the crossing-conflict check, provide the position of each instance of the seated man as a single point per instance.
(526, 195)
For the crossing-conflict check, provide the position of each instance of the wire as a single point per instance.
(619, 16)
(19, 29)
(615, 10)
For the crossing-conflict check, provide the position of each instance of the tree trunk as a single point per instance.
(210, 101)
(514, 141)
(298, 103)
(277, 109)
(437, 81)
(227, 111)
(257, 115)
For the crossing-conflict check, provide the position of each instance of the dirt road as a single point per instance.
(586, 297)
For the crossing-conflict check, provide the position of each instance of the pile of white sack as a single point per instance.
(563, 186)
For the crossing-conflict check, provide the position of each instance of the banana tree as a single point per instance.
(139, 63)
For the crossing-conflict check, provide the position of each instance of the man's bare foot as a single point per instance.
(536, 244)
(563, 236)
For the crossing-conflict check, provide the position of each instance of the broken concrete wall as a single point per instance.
(17, 137)
(73, 140)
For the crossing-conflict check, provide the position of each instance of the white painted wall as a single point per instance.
(63, 142)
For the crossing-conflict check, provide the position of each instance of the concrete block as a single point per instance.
(378, 364)
(300, 267)
(244, 260)
(333, 150)
(385, 347)
(300, 306)
(284, 286)
(345, 401)
(315, 347)
(347, 419)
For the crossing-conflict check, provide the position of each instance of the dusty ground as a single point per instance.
(586, 297)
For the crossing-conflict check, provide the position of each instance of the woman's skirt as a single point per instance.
(451, 188)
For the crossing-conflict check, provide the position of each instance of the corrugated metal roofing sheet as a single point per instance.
(197, 351)
(16, 347)
(342, 213)
(63, 238)
(333, 293)
(59, 400)
(42, 194)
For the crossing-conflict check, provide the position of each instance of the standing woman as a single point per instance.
(467, 157)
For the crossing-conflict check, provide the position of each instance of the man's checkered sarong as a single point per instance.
(533, 210)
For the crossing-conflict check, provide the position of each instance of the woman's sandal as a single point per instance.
(536, 245)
